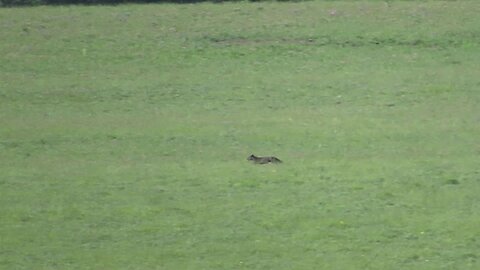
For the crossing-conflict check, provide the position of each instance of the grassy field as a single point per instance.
(124, 133)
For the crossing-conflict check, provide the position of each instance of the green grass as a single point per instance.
(124, 133)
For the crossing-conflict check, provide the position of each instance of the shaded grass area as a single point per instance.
(125, 133)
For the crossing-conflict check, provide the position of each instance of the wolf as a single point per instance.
(263, 160)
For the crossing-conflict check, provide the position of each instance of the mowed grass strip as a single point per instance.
(125, 132)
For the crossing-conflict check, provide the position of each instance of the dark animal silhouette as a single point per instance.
(263, 160)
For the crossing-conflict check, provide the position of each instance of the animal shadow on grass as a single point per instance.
(263, 160)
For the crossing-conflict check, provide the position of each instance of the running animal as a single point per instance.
(263, 160)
